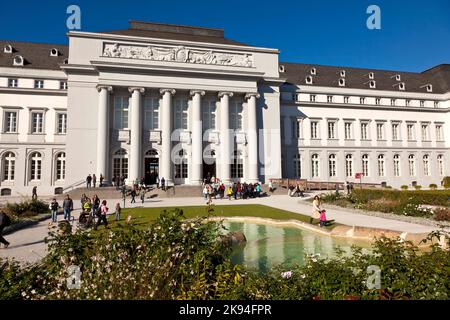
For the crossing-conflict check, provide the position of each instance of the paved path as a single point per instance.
(28, 244)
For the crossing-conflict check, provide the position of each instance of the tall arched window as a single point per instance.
(35, 166)
(332, 165)
(298, 166)
(9, 166)
(381, 166)
(365, 165)
(181, 165)
(237, 167)
(441, 168)
(315, 165)
(396, 163)
(349, 165)
(412, 165)
(120, 163)
(426, 165)
(61, 166)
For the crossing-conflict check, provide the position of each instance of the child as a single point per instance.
(230, 193)
(323, 218)
(118, 209)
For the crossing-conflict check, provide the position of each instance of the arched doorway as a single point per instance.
(209, 164)
(151, 166)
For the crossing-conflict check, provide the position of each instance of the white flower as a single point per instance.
(286, 275)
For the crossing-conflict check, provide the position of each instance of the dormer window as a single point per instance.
(401, 86)
(54, 52)
(309, 80)
(342, 82)
(8, 49)
(371, 75)
(18, 61)
(342, 73)
(372, 84)
(398, 77)
(313, 71)
(281, 68)
(429, 88)
(66, 61)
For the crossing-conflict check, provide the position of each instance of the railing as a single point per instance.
(73, 185)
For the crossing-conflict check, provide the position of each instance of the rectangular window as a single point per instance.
(364, 131)
(329, 99)
(348, 130)
(151, 113)
(63, 85)
(10, 121)
(392, 102)
(62, 123)
(422, 103)
(37, 122)
(209, 115)
(181, 170)
(436, 104)
(181, 114)
(407, 102)
(410, 131)
(314, 130)
(39, 84)
(425, 136)
(395, 131)
(377, 101)
(346, 99)
(439, 133)
(296, 125)
(362, 100)
(13, 83)
(236, 116)
(380, 131)
(331, 130)
(312, 98)
(121, 112)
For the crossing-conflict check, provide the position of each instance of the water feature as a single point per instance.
(269, 245)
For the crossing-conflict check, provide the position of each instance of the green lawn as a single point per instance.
(143, 216)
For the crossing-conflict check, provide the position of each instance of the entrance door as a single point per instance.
(151, 170)
(209, 170)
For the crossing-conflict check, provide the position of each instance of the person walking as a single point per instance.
(102, 215)
(317, 208)
(88, 181)
(142, 194)
(4, 222)
(118, 210)
(163, 184)
(95, 205)
(270, 186)
(67, 207)
(94, 179)
(54, 209)
(133, 194)
(34, 193)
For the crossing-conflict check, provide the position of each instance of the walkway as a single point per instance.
(28, 244)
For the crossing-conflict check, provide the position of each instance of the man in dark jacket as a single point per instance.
(67, 207)
(4, 222)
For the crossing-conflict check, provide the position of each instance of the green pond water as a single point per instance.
(269, 245)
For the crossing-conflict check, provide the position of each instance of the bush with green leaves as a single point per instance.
(417, 187)
(433, 186)
(27, 208)
(446, 182)
(404, 187)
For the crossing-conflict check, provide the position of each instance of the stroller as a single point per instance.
(323, 219)
(87, 219)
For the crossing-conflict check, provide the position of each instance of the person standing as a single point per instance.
(317, 208)
(157, 182)
(163, 184)
(34, 193)
(4, 222)
(95, 205)
(142, 194)
(113, 180)
(118, 210)
(67, 207)
(133, 194)
(102, 215)
(101, 180)
(54, 209)
(94, 179)
(270, 186)
(88, 181)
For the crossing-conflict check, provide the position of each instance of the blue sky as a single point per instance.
(414, 35)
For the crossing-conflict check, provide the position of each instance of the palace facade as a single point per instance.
(185, 103)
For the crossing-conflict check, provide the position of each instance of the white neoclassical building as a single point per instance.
(185, 103)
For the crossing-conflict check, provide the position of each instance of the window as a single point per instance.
(329, 99)
(407, 102)
(422, 103)
(348, 130)
(332, 165)
(37, 122)
(9, 165)
(362, 100)
(10, 121)
(63, 85)
(439, 134)
(410, 131)
(424, 132)
(237, 167)
(380, 131)
(315, 165)
(342, 83)
(314, 130)
(377, 101)
(412, 165)
(151, 113)
(395, 131)
(331, 130)
(35, 166)
(440, 160)
(181, 114)
(298, 166)
(209, 115)
(436, 104)
(365, 165)
(381, 166)
(39, 84)
(181, 165)
(392, 102)
(312, 98)
(349, 165)
(61, 166)
(426, 165)
(13, 83)
(62, 123)
(121, 112)
(396, 165)
(296, 127)
(364, 131)
(236, 115)
(120, 163)
(346, 99)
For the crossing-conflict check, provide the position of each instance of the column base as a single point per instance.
(196, 182)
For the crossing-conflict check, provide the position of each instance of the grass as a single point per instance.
(141, 217)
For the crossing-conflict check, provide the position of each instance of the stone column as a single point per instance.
(135, 168)
(252, 133)
(102, 131)
(225, 137)
(166, 143)
(197, 137)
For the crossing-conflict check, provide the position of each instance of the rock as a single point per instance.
(235, 238)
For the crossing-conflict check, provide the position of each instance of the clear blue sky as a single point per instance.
(414, 35)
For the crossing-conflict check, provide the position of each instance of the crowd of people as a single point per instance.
(214, 188)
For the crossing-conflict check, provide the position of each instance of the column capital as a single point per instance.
(252, 94)
(132, 89)
(171, 91)
(194, 92)
(225, 93)
(103, 87)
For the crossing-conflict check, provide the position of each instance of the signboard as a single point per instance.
(358, 175)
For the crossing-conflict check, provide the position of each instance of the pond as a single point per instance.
(269, 245)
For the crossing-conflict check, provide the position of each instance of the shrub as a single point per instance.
(27, 208)
(441, 214)
(404, 187)
(446, 182)
(433, 186)
(381, 205)
(417, 187)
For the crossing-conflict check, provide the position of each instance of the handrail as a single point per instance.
(73, 185)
